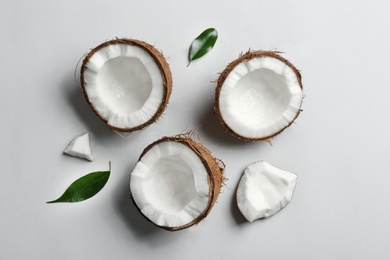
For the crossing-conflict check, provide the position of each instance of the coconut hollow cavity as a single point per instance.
(176, 182)
(127, 83)
(258, 95)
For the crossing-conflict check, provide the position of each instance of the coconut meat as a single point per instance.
(170, 184)
(124, 84)
(80, 147)
(260, 97)
(264, 190)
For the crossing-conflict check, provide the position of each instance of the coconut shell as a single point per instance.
(244, 58)
(215, 171)
(162, 65)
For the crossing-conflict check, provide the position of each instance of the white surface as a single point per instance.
(339, 146)
(170, 185)
(264, 190)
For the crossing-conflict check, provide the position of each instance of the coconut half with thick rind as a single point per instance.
(176, 182)
(264, 190)
(127, 83)
(258, 95)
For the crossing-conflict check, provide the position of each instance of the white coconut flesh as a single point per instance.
(80, 146)
(260, 97)
(170, 185)
(124, 84)
(264, 190)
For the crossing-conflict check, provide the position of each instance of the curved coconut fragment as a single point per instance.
(80, 146)
(127, 83)
(258, 95)
(176, 182)
(264, 190)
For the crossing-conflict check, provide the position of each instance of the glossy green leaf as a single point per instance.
(85, 187)
(202, 44)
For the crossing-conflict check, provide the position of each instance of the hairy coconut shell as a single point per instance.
(229, 68)
(215, 171)
(162, 65)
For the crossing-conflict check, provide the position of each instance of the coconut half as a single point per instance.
(264, 190)
(127, 83)
(258, 95)
(176, 182)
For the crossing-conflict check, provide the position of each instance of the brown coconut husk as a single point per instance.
(214, 167)
(162, 65)
(243, 58)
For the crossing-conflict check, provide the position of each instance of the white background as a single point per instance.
(339, 146)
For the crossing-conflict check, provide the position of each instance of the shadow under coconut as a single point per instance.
(212, 128)
(236, 213)
(129, 213)
(74, 95)
(136, 223)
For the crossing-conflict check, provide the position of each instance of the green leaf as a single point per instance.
(85, 187)
(202, 44)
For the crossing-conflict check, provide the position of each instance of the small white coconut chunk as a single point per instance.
(264, 190)
(170, 185)
(80, 147)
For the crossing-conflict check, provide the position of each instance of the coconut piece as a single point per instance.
(176, 182)
(127, 83)
(264, 190)
(80, 147)
(258, 95)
